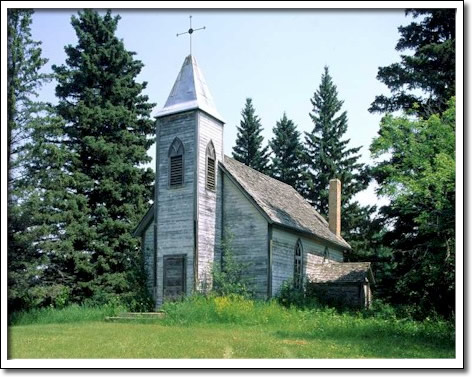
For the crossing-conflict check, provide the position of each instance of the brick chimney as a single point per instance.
(335, 206)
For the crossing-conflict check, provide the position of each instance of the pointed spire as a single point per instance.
(190, 92)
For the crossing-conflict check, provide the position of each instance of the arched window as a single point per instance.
(298, 273)
(210, 166)
(176, 163)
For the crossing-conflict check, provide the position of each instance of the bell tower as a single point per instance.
(187, 203)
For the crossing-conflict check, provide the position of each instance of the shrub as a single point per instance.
(289, 296)
(228, 279)
(381, 309)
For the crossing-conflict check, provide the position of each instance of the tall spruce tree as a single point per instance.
(53, 215)
(431, 67)
(24, 63)
(327, 155)
(248, 148)
(108, 131)
(286, 152)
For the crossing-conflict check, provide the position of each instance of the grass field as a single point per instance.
(221, 328)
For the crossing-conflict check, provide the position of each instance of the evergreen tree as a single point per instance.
(286, 152)
(248, 149)
(431, 68)
(107, 132)
(51, 214)
(327, 155)
(24, 63)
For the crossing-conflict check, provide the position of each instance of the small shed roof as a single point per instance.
(281, 203)
(341, 273)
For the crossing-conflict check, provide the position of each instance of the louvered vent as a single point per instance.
(211, 174)
(176, 171)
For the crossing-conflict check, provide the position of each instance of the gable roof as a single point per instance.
(190, 92)
(281, 203)
(341, 273)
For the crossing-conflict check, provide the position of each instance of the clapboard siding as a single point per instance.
(175, 217)
(248, 229)
(148, 257)
(209, 223)
(283, 255)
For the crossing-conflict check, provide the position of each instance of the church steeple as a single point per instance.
(190, 92)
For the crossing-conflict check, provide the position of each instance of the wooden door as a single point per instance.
(174, 277)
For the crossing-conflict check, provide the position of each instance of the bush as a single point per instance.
(381, 309)
(228, 279)
(289, 296)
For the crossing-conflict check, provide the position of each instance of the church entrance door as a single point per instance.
(174, 277)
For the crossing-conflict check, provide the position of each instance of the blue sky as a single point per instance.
(276, 57)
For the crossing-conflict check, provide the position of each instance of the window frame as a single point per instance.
(176, 149)
(298, 260)
(210, 154)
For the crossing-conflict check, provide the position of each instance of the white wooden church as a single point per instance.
(203, 196)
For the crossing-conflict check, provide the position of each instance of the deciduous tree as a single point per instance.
(416, 171)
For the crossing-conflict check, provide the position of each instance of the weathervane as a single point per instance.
(190, 31)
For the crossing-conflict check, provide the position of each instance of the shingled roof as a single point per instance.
(341, 273)
(281, 203)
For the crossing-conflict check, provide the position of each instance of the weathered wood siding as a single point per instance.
(283, 255)
(248, 229)
(148, 257)
(209, 211)
(347, 294)
(175, 217)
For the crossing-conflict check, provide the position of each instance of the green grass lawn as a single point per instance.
(227, 328)
(137, 340)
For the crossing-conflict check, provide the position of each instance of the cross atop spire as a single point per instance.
(190, 32)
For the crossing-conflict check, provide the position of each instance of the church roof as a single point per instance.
(190, 92)
(281, 203)
(341, 273)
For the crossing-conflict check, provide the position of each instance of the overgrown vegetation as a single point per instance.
(70, 314)
(416, 171)
(228, 276)
(230, 326)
